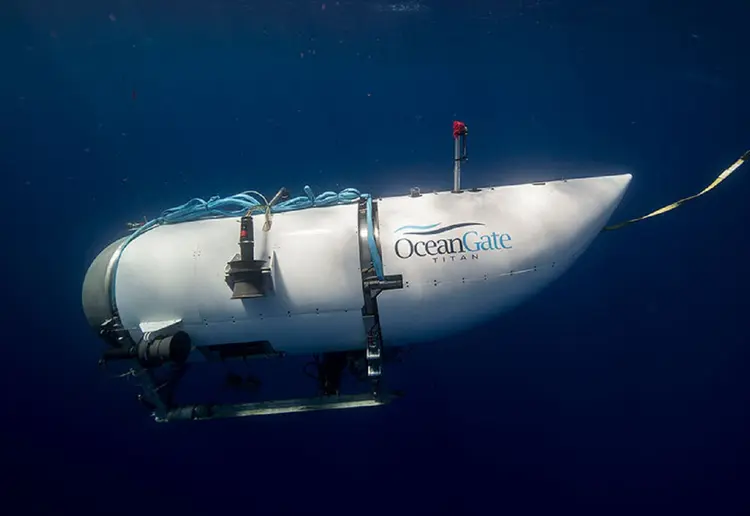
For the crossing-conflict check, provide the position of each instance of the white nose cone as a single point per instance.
(467, 257)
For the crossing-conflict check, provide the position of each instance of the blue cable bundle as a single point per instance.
(239, 204)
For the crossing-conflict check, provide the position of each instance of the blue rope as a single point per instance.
(239, 204)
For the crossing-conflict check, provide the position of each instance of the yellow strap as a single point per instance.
(745, 157)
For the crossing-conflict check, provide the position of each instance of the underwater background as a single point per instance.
(620, 389)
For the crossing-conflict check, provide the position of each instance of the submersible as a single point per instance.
(347, 278)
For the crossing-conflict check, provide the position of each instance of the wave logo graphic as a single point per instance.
(434, 229)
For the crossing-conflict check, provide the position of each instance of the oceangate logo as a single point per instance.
(415, 241)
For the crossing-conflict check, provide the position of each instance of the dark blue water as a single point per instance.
(621, 389)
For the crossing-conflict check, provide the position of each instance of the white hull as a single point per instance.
(507, 244)
(541, 230)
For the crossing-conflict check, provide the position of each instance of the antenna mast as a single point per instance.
(460, 153)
